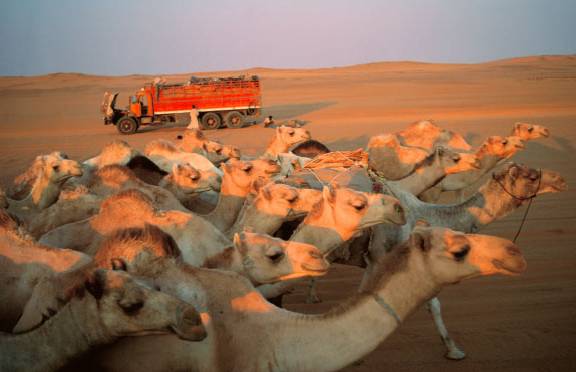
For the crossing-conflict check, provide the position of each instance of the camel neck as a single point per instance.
(44, 193)
(325, 239)
(347, 333)
(230, 203)
(73, 330)
(276, 147)
(422, 178)
(256, 221)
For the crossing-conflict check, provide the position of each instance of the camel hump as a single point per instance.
(131, 200)
(115, 173)
(127, 245)
(160, 146)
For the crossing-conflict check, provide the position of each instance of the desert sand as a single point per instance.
(525, 323)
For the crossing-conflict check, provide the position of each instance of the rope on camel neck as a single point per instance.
(521, 198)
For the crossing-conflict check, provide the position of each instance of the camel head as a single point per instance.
(528, 132)
(116, 152)
(130, 308)
(292, 136)
(426, 134)
(348, 211)
(267, 259)
(239, 175)
(57, 169)
(392, 160)
(307, 198)
(191, 140)
(455, 162)
(502, 147)
(276, 199)
(190, 180)
(265, 168)
(454, 256)
(523, 182)
(231, 152)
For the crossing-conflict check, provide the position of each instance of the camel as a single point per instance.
(343, 213)
(284, 138)
(193, 140)
(72, 205)
(165, 155)
(427, 135)
(290, 163)
(112, 179)
(52, 172)
(236, 185)
(273, 205)
(186, 182)
(258, 257)
(389, 158)
(528, 132)
(196, 237)
(111, 305)
(506, 191)
(247, 333)
(22, 184)
(494, 150)
(431, 170)
(23, 262)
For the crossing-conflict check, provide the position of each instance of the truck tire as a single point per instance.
(211, 120)
(234, 119)
(127, 125)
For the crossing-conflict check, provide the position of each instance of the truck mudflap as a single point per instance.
(107, 107)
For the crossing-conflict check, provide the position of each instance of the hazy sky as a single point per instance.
(116, 37)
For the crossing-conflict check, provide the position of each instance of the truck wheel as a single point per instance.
(127, 125)
(211, 120)
(234, 119)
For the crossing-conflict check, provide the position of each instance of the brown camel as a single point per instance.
(283, 139)
(268, 338)
(427, 135)
(109, 306)
(186, 182)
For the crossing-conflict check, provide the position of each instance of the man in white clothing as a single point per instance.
(193, 118)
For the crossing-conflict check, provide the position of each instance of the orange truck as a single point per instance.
(228, 101)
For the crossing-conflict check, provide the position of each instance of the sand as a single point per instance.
(523, 323)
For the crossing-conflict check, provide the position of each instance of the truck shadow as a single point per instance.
(279, 112)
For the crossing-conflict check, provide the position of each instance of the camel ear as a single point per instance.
(278, 131)
(237, 241)
(513, 171)
(421, 238)
(175, 168)
(328, 194)
(118, 264)
(96, 283)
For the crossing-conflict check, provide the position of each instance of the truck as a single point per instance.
(229, 101)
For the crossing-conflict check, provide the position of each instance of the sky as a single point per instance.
(112, 37)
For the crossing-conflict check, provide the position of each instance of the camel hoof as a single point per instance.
(455, 354)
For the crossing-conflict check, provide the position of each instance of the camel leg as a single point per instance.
(454, 352)
(313, 297)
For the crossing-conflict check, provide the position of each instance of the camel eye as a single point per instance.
(276, 257)
(56, 167)
(530, 129)
(358, 205)
(194, 177)
(456, 159)
(505, 142)
(133, 308)
(461, 254)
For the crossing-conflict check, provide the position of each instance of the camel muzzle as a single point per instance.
(189, 325)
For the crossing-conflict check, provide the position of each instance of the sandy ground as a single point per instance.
(525, 323)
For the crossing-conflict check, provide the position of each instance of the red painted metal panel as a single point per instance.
(206, 95)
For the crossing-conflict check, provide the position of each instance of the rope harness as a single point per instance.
(521, 199)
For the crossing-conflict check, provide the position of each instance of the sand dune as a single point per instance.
(523, 323)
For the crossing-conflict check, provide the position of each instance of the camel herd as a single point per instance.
(188, 247)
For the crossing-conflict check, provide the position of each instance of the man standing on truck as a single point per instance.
(193, 118)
